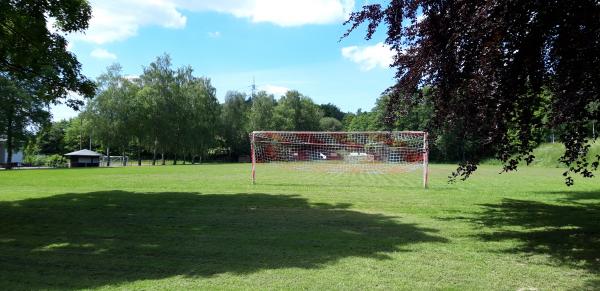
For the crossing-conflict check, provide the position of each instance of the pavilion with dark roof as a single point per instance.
(84, 158)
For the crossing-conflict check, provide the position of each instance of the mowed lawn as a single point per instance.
(207, 227)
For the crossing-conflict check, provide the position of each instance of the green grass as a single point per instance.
(207, 227)
(548, 154)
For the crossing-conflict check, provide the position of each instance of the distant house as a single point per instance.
(84, 158)
(17, 157)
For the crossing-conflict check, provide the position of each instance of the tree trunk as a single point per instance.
(108, 156)
(123, 161)
(9, 141)
(139, 154)
(184, 156)
(162, 157)
(175, 159)
(154, 152)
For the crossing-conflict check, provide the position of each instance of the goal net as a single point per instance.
(114, 161)
(373, 152)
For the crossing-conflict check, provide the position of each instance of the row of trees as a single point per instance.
(165, 110)
(169, 113)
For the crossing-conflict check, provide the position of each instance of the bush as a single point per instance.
(56, 161)
(34, 160)
(330, 124)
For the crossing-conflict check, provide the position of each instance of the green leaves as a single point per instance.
(165, 108)
(495, 67)
(32, 54)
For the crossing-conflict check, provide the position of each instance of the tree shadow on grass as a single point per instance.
(575, 197)
(73, 241)
(568, 233)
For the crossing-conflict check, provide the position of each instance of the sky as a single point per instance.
(281, 44)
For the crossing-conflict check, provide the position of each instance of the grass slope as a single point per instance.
(206, 227)
(549, 154)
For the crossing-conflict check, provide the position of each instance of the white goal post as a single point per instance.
(371, 152)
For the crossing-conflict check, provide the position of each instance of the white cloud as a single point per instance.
(214, 34)
(115, 20)
(273, 89)
(280, 12)
(370, 57)
(101, 53)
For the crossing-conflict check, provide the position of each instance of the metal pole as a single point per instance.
(425, 161)
(253, 155)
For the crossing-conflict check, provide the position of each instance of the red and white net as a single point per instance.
(338, 152)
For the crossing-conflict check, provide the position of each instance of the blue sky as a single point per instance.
(281, 44)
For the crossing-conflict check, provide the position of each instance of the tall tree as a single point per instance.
(261, 112)
(489, 63)
(20, 111)
(205, 117)
(51, 138)
(78, 133)
(295, 111)
(235, 120)
(331, 110)
(111, 110)
(36, 59)
(157, 81)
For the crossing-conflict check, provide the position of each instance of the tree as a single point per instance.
(51, 139)
(205, 117)
(261, 112)
(36, 61)
(77, 134)
(157, 81)
(331, 110)
(111, 111)
(295, 111)
(362, 121)
(235, 119)
(330, 124)
(197, 120)
(20, 111)
(489, 63)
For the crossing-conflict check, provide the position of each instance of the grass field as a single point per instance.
(207, 227)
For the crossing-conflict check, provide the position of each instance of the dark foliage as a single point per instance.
(331, 110)
(32, 54)
(490, 63)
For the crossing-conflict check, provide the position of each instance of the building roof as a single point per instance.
(84, 153)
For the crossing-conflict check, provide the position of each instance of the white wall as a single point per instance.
(16, 158)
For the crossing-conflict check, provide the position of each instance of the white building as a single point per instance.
(17, 158)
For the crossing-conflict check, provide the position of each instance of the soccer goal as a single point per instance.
(372, 152)
(115, 161)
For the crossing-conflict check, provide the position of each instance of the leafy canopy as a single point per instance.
(37, 56)
(490, 63)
